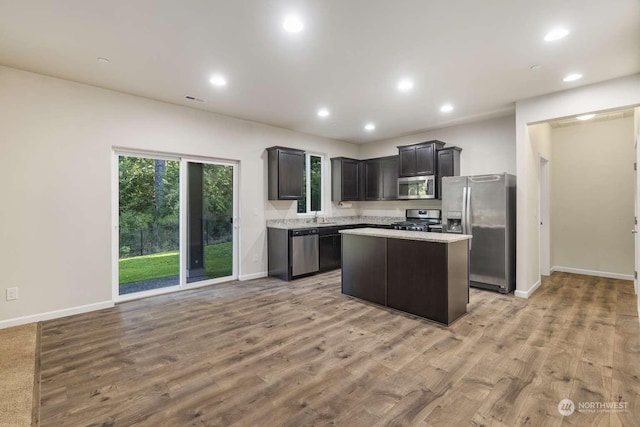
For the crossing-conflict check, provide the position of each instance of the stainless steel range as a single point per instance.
(421, 220)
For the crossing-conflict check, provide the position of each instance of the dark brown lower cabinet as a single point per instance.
(366, 276)
(421, 288)
(330, 251)
(427, 279)
(435, 286)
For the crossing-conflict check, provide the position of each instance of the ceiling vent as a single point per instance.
(193, 98)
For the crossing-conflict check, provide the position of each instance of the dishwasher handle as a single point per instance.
(304, 232)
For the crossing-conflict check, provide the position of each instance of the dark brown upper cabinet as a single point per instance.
(448, 165)
(345, 179)
(286, 173)
(381, 178)
(407, 159)
(419, 159)
(389, 170)
(372, 190)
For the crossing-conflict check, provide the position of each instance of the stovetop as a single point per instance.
(415, 225)
(419, 220)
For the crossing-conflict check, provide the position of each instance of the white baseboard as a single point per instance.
(592, 273)
(529, 292)
(252, 276)
(55, 314)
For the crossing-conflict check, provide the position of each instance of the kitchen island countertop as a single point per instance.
(408, 235)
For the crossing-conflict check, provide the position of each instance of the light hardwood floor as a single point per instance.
(270, 353)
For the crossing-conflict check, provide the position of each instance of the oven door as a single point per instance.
(417, 187)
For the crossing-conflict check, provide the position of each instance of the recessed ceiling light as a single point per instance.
(323, 112)
(446, 108)
(292, 24)
(103, 60)
(405, 85)
(218, 80)
(369, 127)
(556, 34)
(572, 77)
(586, 117)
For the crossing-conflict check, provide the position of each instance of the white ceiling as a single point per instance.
(474, 54)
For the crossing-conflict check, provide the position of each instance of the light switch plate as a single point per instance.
(12, 294)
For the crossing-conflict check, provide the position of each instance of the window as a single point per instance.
(312, 201)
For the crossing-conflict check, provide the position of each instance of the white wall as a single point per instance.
(56, 140)
(487, 147)
(622, 92)
(592, 197)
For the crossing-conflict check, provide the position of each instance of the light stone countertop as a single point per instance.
(331, 222)
(408, 235)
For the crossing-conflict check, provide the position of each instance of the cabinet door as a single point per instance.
(373, 189)
(337, 251)
(330, 252)
(445, 163)
(407, 161)
(350, 180)
(422, 289)
(389, 169)
(445, 168)
(278, 253)
(325, 250)
(448, 165)
(364, 268)
(290, 175)
(425, 160)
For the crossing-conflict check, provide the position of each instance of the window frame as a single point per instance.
(307, 174)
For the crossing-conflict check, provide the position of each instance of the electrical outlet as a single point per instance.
(255, 258)
(12, 294)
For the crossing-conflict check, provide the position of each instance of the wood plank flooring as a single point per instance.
(271, 353)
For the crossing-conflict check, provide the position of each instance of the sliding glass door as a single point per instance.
(176, 224)
(148, 217)
(210, 221)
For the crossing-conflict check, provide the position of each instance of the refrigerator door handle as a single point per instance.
(486, 178)
(463, 220)
(467, 212)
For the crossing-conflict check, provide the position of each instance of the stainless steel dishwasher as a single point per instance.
(304, 251)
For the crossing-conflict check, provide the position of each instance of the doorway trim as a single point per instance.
(636, 206)
(544, 214)
(115, 235)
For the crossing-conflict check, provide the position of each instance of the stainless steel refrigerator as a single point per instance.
(484, 206)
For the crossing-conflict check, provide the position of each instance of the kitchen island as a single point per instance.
(424, 274)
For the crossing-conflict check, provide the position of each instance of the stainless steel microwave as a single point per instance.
(417, 187)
